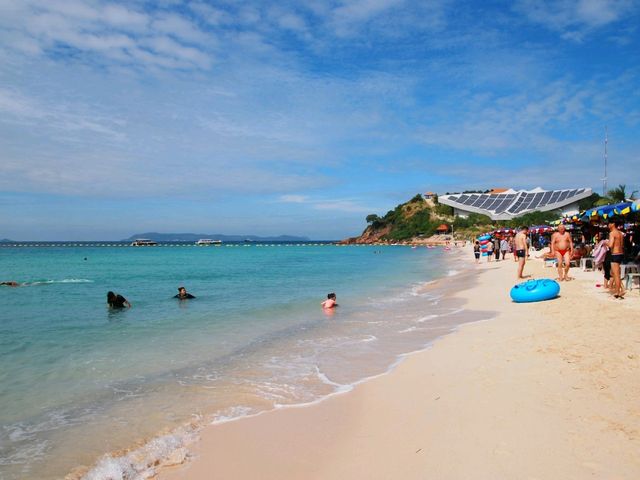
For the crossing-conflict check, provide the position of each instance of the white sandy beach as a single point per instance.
(548, 390)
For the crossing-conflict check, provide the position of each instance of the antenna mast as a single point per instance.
(604, 180)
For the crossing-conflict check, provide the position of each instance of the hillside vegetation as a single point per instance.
(416, 219)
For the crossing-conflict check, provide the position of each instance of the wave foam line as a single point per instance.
(142, 463)
(50, 282)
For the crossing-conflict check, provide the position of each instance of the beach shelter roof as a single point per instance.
(505, 230)
(540, 229)
(443, 228)
(607, 211)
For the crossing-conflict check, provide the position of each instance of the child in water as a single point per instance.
(330, 302)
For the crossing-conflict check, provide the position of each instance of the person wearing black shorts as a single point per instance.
(522, 247)
(616, 247)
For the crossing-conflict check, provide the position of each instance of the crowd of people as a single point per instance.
(608, 249)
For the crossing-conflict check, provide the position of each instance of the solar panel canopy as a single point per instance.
(513, 203)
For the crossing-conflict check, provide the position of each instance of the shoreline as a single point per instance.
(170, 446)
(347, 435)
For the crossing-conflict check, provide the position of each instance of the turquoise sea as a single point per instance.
(78, 381)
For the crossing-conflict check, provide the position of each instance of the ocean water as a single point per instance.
(89, 392)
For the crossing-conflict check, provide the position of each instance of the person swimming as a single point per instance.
(117, 301)
(10, 284)
(183, 294)
(330, 302)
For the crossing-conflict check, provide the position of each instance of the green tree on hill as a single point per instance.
(442, 209)
(405, 221)
(474, 219)
(374, 220)
(419, 224)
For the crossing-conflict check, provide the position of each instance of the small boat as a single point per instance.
(204, 242)
(143, 242)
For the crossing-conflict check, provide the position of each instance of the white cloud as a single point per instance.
(386, 18)
(293, 198)
(109, 33)
(52, 117)
(336, 205)
(575, 18)
(119, 16)
(167, 47)
(349, 206)
(180, 28)
(293, 22)
(211, 15)
(355, 11)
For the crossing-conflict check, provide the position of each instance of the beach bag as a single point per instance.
(599, 252)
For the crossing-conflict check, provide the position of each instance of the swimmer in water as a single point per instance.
(330, 302)
(117, 301)
(183, 294)
(10, 284)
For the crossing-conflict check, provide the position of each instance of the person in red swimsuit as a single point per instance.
(562, 249)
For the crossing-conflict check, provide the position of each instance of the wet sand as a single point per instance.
(543, 390)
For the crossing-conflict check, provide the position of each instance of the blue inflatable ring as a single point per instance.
(535, 290)
(484, 237)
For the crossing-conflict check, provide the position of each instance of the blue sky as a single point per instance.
(301, 118)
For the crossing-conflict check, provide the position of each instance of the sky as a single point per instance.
(301, 118)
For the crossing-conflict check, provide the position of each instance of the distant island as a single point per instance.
(6, 240)
(192, 237)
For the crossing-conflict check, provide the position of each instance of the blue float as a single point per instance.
(535, 290)
(484, 237)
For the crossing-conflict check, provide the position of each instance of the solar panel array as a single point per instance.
(513, 204)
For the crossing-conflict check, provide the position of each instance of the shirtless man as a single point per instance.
(521, 249)
(562, 250)
(616, 246)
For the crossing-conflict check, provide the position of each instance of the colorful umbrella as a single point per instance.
(537, 229)
(607, 211)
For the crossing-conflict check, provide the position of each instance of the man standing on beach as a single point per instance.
(504, 247)
(616, 246)
(562, 250)
(521, 249)
(496, 249)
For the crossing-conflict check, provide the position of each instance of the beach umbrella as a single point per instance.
(538, 229)
(607, 211)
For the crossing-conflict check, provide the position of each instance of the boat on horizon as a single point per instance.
(143, 242)
(204, 242)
